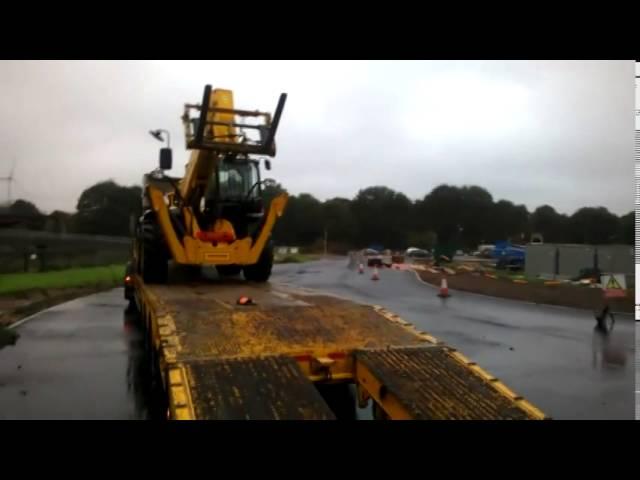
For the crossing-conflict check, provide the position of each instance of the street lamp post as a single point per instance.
(325, 242)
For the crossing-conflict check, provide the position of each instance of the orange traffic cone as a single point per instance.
(361, 268)
(375, 275)
(444, 289)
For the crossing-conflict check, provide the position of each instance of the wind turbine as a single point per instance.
(9, 179)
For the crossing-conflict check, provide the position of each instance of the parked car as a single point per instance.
(418, 254)
(373, 257)
(509, 256)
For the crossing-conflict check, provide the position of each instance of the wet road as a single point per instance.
(79, 360)
(551, 355)
(84, 359)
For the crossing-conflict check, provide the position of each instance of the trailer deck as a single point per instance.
(222, 360)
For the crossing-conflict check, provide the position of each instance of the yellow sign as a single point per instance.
(612, 284)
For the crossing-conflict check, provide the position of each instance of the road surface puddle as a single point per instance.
(608, 351)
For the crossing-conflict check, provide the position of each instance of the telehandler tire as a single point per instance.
(154, 261)
(260, 271)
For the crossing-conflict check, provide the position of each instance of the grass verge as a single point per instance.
(75, 277)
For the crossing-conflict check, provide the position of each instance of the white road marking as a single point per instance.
(31, 317)
(26, 319)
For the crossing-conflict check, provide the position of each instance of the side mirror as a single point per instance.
(269, 182)
(166, 159)
(267, 164)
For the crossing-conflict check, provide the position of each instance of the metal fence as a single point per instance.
(566, 261)
(27, 250)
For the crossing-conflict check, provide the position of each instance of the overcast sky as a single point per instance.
(552, 132)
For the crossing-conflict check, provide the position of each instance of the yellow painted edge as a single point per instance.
(178, 390)
(394, 318)
(497, 385)
(473, 366)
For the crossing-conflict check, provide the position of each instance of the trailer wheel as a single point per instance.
(154, 371)
(156, 395)
(154, 261)
(132, 306)
(260, 271)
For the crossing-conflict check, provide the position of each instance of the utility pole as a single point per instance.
(325, 241)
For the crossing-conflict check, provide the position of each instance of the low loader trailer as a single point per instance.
(233, 350)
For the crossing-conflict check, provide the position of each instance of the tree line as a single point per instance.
(463, 216)
(105, 208)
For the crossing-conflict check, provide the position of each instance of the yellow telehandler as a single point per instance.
(214, 214)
